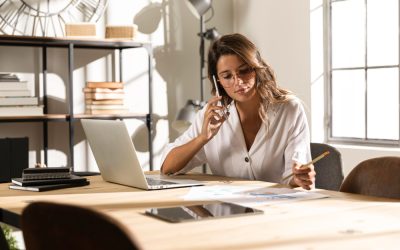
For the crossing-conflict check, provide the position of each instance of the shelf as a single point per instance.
(111, 116)
(34, 118)
(71, 117)
(90, 43)
(67, 117)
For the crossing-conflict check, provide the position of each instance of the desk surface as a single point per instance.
(341, 221)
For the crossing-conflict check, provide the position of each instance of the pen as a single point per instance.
(217, 92)
(311, 162)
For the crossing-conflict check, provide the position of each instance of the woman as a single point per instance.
(260, 132)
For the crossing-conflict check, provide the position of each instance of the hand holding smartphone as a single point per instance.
(224, 112)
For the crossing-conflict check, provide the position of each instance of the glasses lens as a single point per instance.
(245, 73)
(228, 78)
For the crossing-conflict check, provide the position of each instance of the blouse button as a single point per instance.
(246, 159)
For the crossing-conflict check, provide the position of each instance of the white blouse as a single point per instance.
(272, 154)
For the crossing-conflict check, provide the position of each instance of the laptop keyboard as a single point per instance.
(156, 182)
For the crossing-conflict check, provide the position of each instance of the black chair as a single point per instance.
(329, 171)
(48, 225)
(375, 177)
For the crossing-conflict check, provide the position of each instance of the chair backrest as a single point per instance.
(375, 177)
(329, 171)
(48, 225)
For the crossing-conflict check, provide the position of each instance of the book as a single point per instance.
(108, 85)
(102, 90)
(9, 77)
(46, 173)
(72, 179)
(106, 111)
(15, 101)
(46, 170)
(94, 106)
(41, 188)
(20, 110)
(6, 93)
(104, 102)
(104, 96)
(45, 176)
(13, 85)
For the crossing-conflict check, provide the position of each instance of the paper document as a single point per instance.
(250, 195)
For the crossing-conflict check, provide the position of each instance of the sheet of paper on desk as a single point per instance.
(250, 195)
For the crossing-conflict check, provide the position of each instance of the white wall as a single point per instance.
(176, 79)
(280, 29)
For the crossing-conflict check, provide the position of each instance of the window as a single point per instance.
(363, 71)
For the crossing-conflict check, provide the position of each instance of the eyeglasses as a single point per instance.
(227, 79)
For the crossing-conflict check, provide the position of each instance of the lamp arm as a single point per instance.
(201, 58)
(212, 14)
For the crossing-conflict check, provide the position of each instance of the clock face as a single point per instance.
(46, 17)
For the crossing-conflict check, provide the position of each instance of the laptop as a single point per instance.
(117, 160)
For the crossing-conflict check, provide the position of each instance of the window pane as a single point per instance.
(348, 103)
(348, 34)
(383, 32)
(383, 104)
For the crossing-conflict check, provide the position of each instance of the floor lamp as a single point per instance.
(186, 114)
(199, 9)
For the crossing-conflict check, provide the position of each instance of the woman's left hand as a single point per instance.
(303, 176)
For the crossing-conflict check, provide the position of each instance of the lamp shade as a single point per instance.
(199, 7)
(211, 34)
(186, 115)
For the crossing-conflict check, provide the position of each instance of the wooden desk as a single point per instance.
(342, 221)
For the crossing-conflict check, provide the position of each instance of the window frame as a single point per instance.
(327, 23)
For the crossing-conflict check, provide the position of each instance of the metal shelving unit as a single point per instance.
(71, 117)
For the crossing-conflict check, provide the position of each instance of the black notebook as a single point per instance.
(24, 183)
(46, 173)
(46, 170)
(41, 188)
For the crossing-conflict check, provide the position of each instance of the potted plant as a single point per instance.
(12, 242)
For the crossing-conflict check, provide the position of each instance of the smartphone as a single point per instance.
(201, 212)
(224, 112)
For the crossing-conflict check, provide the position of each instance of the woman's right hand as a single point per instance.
(213, 119)
(179, 157)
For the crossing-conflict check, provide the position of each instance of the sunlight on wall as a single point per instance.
(317, 71)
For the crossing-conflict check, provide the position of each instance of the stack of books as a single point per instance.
(43, 179)
(15, 97)
(104, 98)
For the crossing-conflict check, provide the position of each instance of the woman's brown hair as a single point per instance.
(237, 44)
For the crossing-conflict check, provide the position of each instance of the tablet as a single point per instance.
(201, 212)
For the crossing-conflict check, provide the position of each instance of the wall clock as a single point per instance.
(46, 17)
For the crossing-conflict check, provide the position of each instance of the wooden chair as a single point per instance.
(329, 171)
(48, 225)
(375, 177)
